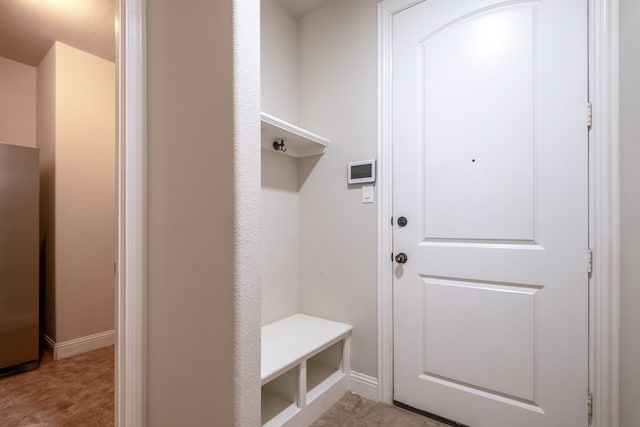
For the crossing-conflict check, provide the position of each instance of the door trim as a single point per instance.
(604, 212)
(603, 215)
(131, 277)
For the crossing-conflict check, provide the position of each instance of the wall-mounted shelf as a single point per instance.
(297, 141)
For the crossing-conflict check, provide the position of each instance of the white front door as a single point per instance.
(490, 171)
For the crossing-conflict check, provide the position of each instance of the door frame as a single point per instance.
(131, 274)
(603, 207)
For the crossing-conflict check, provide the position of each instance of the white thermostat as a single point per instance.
(361, 172)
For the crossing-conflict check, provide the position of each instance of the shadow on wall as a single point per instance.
(305, 167)
(284, 173)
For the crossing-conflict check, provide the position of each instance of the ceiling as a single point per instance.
(28, 28)
(299, 8)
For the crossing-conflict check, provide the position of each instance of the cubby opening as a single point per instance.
(324, 370)
(280, 398)
(303, 358)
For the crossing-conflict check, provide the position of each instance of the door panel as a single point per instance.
(478, 78)
(501, 341)
(490, 168)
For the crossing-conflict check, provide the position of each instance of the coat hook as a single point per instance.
(278, 145)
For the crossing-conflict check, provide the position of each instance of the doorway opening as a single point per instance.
(66, 53)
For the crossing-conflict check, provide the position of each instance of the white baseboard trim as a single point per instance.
(364, 385)
(80, 345)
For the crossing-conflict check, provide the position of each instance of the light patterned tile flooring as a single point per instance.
(77, 391)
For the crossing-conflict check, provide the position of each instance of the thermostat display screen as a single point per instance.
(361, 172)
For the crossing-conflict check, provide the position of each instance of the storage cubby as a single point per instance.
(303, 358)
(324, 370)
(280, 398)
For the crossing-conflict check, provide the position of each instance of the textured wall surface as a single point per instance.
(246, 62)
(203, 167)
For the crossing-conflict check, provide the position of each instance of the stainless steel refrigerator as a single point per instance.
(19, 237)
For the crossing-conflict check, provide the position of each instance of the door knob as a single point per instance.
(401, 258)
(402, 221)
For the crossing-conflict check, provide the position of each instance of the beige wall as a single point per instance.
(17, 103)
(46, 131)
(85, 193)
(82, 154)
(338, 234)
(630, 212)
(203, 362)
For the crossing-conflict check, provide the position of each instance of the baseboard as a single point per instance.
(48, 343)
(80, 345)
(364, 385)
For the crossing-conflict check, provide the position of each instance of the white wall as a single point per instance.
(630, 212)
(17, 103)
(279, 62)
(279, 256)
(338, 234)
(203, 348)
(77, 140)
(318, 240)
(279, 237)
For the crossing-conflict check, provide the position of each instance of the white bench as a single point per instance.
(304, 370)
